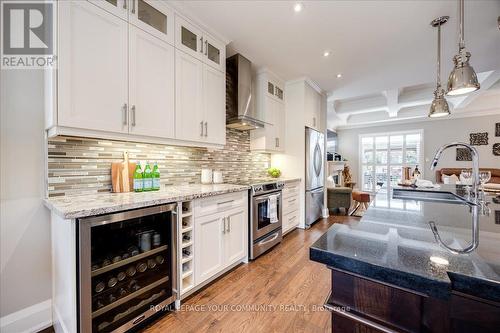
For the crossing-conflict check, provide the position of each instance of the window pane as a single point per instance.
(367, 150)
(367, 178)
(396, 175)
(412, 148)
(381, 177)
(396, 153)
(381, 149)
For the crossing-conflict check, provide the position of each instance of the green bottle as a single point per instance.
(138, 184)
(156, 177)
(147, 177)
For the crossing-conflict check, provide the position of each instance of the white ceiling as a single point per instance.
(380, 47)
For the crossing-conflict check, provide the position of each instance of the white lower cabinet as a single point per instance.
(291, 202)
(221, 237)
(209, 250)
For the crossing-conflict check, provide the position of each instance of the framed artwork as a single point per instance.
(496, 149)
(479, 139)
(497, 129)
(464, 154)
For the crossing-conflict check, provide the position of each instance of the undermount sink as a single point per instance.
(427, 196)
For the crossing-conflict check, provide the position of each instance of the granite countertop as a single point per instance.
(104, 203)
(393, 243)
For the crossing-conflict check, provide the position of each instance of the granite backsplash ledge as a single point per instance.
(83, 165)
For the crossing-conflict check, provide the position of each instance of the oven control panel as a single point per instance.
(269, 187)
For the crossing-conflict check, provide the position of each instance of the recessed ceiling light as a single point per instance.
(298, 7)
(339, 76)
(326, 53)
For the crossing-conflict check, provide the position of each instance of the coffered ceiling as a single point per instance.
(385, 50)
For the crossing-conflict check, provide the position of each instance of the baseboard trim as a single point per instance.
(28, 320)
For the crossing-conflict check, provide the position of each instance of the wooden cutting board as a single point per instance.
(122, 175)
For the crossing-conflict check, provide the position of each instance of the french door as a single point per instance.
(383, 156)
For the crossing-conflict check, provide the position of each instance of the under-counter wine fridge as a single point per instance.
(127, 267)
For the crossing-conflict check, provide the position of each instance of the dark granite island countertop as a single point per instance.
(393, 243)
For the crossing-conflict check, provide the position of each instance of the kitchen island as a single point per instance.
(390, 274)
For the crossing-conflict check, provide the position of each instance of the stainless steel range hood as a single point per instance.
(240, 111)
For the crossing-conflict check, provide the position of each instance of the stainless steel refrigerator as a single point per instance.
(315, 175)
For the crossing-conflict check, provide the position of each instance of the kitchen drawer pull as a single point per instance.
(125, 4)
(225, 202)
(292, 218)
(201, 127)
(228, 224)
(201, 43)
(223, 225)
(295, 199)
(356, 318)
(133, 6)
(206, 47)
(206, 128)
(138, 319)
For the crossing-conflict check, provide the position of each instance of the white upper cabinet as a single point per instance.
(214, 104)
(214, 53)
(153, 17)
(92, 75)
(188, 38)
(189, 120)
(269, 101)
(312, 107)
(135, 70)
(151, 82)
(115, 7)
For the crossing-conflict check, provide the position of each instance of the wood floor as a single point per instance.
(283, 279)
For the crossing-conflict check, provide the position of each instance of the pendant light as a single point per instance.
(463, 79)
(439, 106)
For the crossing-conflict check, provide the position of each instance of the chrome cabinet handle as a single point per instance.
(206, 129)
(201, 43)
(229, 224)
(124, 110)
(206, 47)
(201, 127)
(223, 225)
(277, 143)
(133, 115)
(125, 4)
(314, 121)
(133, 6)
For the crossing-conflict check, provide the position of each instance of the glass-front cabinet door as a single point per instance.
(154, 17)
(214, 52)
(188, 38)
(116, 7)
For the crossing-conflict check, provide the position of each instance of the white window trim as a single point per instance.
(421, 160)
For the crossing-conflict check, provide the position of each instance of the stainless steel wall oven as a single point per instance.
(127, 266)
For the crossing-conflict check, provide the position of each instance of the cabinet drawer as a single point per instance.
(290, 220)
(291, 189)
(220, 203)
(376, 302)
(290, 204)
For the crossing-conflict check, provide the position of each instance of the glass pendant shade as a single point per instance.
(463, 78)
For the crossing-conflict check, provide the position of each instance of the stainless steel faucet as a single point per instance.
(475, 164)
(473, 205)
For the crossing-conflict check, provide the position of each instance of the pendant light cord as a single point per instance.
(439, 57)
(461, 34)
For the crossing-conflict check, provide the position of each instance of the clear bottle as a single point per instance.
(416, 173)
(156, 177)
(138, 183)
(147, 177)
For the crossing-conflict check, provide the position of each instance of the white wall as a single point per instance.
(437, 132)
(25, 259)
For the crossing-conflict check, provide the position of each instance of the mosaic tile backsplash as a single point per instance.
(83, 166)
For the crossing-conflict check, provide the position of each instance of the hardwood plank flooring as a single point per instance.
(289, 288)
